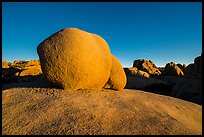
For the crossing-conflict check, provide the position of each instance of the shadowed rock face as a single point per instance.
(147, 66)
(188, 89)
(117, 79)
(149, 84)
(74, 59)
(194, 70)
(171, 69)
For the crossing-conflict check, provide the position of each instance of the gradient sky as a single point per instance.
(158, 31)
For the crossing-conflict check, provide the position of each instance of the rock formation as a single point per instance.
(74, 59)
(194, 70)
(19, 71)
(5, 64)
(171, 69)
(31, 71)
(32, 63)
(135, 72)
(182, 67)
(117, 79)
(147, 66)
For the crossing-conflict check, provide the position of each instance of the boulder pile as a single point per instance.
(176, 80)
(20, 70)
(147, 66)
(171, 69)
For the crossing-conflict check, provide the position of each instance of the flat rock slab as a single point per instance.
(50, 111)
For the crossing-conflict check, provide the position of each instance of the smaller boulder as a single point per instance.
(32, 63)
(31, 71)
(117, 79)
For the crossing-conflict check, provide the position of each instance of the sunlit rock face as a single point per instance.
(117, 79)
(74, 59)
(133, 71)
(147, 66)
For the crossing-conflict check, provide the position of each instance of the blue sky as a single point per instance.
(157, 31)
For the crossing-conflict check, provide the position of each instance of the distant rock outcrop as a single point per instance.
(31, 71)
(135, 72)
(182, 67)
(20, 64)
(5, 64)
(117, 79)
(147, 66)
(32, 63)
(194, 70)
(74, 59)
(20, 71)
(171, 69)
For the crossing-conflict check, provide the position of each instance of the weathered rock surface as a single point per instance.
(147, 66)
(117, 79)
(74, 59)
(45, 111)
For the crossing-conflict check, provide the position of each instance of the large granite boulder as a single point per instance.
(117, 79)
(74, 59)
(147, 66)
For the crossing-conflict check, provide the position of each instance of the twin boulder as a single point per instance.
(74, 59)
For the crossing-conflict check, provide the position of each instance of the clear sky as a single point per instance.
(158, 31)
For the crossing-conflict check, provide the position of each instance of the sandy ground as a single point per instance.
(28, 108)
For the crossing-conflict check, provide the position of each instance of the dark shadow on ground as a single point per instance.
(139, 83)
(38, 81)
